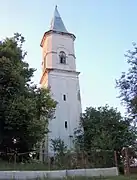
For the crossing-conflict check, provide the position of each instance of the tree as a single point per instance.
(25, 109)
(60, 151)
(58, 146)
(104, 129)
(127, 84)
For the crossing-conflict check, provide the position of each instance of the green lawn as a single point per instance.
(41, 167)
(26, 167)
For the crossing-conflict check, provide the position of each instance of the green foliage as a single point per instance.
(60, 150)
(58, 146)
(104, 128)
(127, 84)
(25, 109)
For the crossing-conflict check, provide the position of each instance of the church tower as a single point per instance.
(59, 73)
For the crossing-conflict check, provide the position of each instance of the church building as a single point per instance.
(59, 73)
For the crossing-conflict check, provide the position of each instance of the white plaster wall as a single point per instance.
(62, 82)
(63, 43)
(69, 110)
(44, 82)
(23, 175)
(47, 51)
(54, 43)
(47, 45)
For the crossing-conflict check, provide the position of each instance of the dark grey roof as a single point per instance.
(57, 23)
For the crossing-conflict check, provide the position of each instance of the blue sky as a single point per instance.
(105, 30)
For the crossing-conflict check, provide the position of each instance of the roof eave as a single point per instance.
(57, 32)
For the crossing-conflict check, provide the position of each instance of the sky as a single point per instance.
(104, 30)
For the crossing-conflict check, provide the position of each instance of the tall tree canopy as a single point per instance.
(102, 131)
(127, 83)
(25, 109)
(104, 128)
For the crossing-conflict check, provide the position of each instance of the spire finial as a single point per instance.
(56, 13)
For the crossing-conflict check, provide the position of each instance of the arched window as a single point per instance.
(62, 57)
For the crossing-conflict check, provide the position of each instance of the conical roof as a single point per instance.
(57, 23)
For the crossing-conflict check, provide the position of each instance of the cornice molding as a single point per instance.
(47, 70)
(63, 70)
(56, 32)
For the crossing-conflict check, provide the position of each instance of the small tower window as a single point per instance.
(62, 57)
(79, 98)
(44, 62)
(66, 125)
(64, 97)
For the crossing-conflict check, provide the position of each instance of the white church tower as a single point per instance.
(59, 73)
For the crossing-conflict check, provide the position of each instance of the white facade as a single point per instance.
(59, 73)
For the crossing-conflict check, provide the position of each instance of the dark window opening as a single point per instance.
(62, 56)
(79, 98)
(45, 62)
(64, 97)
(66, 125)
(61, 60)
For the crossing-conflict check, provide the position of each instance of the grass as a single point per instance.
(4, 166)
(33, 166)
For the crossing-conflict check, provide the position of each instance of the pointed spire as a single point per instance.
(57, 23)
